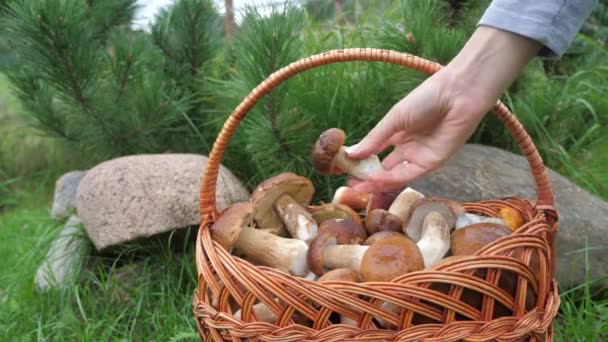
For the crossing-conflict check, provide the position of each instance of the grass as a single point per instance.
(141, 292)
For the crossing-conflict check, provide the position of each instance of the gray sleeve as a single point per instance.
(553, 23)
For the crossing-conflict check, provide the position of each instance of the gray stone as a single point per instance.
(65, 194)
(139, 196)
(64, 258)
(481, 172)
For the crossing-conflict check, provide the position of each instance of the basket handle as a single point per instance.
(208, 185)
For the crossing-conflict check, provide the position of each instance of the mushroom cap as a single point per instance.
(267, 192)
(390, 258)
(314, 256)
(468, 240)
(347, 231)
(381, 235)
(325, 149)
(379, 220)
(342, 274)
(380, 200)
(320, 213)
(449, 209)
(513, 219)
(353, 199)
(227, 228)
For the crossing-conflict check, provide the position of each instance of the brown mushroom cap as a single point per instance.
(512, 218)
(314, 256)
(353, 199)
(449, 209)
(320, 213)
(381, 235)
(379, 220)
(227, 228)
(380, 200)
(327, 146)
(267, 192)
(347, 232)
(390, 258)
(468, 240)
(342, 274)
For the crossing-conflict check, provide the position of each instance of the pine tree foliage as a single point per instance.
(87, 77)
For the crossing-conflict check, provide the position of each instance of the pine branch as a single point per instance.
(125, 76)
(192, 21)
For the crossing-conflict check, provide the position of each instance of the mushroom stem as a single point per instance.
(298, 221)
(344, 256)
(288, 255)
(403, 203)
(359, 168)
(262, 313)
(435, 240)
(467, 219)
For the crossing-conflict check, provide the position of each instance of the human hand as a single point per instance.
(431, 123)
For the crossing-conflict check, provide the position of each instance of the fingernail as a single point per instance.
(352, 149)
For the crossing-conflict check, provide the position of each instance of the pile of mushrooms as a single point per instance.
(357, 237)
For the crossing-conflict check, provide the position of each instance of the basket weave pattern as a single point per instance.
(512, 277)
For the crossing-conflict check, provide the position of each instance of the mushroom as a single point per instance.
(467, 219)
(328, 211)
(233, 230)
(343, 274)
(380, 235)
(329, 157)
(286, 196)
(351, 198)
(511, 217)
(264, 314)
(325, 253)
(422, 207)
(379, 220)
(435, 240)
(402, 204)
(390, 258)
(347, 231)
(468, 240)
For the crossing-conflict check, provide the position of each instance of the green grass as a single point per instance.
(154, 304)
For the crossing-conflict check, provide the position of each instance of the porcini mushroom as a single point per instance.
(467, 219)
(379, 220)
(264, 314)
(511, 217)
(321, 213)
(347, 231)
(286, 196)
(468, 240)
(390, 258)
(354, 199)
(233, 230)
(435, 240)
(325, 253)
(329, 157)
(379, 236)
(402, 204)
(422, 207)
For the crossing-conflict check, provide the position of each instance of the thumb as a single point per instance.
(376, 141)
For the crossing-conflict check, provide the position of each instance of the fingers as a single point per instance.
(401, 174)
(376, 141)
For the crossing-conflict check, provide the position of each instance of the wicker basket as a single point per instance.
(431, 308)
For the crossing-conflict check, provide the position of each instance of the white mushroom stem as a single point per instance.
(262, 313)
(359, 168)
(298, 221)
(344, 256)
(435, 240)
(260, 247)
(311, 276)
(468, 219)
(403, 203)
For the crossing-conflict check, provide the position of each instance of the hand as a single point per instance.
(430, 124)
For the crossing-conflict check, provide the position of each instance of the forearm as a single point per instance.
(489, 62)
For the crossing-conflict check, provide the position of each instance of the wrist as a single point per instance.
(488, 63)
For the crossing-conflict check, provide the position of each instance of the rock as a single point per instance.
(65, 194)
(64, 258)
(139, 196)
(482, 172)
